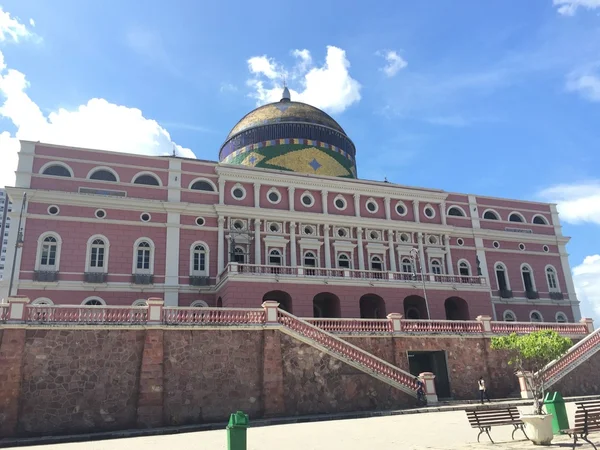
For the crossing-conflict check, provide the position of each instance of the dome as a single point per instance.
(292, 136)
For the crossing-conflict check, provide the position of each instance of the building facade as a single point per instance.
(5, 208)
(282, 216)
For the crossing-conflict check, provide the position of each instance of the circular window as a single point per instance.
(308, 230)
(342, 232)
(433, 240)
(429, 212)
(496, 244)
(200, 221)
(274, 197)
(546, 248)
(340, 203)
(100, 214)
(145, 217)
(460, 242)
(238, 192)
(374, 235)
(307, 200)
(521, 246)
(372, 206)
(404, 237)
(53, 210)
(274, 227)
(238, 225)
(401, 209)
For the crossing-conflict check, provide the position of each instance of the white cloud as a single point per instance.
(11, 28)
(395, 62)
(586, 277)
(588, 86)
(577, 203)
(569, 7)
(329, 87)
(32, 22)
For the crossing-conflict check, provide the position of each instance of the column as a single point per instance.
(525, 383)
(392, 250)
(473, 212)
(359, 248)
(257, 195)
(357, 205)
(449, 266)
(416, 211)
(327, 247)
(293, 259)
(555, 220)
(429, 381)
(221, 245)
(291, 191)
(221, 191)
(421, 253)
(257, 243)
(388, 214)
(570, 286)
(443, 212)
(172, 260)
(324, 201)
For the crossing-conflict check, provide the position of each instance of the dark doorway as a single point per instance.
(456, 309)
(434, 362)
(284, 299)
(415, 307)
(326, 305)
(372, 307)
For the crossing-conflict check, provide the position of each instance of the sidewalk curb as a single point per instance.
(88, 437)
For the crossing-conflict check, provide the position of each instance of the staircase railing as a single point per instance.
(378, 367)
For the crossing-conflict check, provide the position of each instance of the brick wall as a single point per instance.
(582, 379)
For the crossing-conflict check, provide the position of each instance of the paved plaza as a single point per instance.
(431, 431)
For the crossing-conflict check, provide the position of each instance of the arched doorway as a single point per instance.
(415, 308)
(456, 309)
(219, 302)
(326, 304)
(284, 299)
(372, 307)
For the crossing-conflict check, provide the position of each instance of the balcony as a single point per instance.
(138, 278)
(532, 295)
(45, 276)
(282, 273)
(199, 281)
(94, 277)
(557, 296)
(505, 293)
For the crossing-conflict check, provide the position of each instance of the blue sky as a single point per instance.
(498, 98)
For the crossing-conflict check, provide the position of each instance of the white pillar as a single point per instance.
(221, 191)
(294, 261)
(257, 195)
(172, 260)
(221, 245)
(443, 212)
(388, 214)
(357, 205)
(555, 220)
(327, 247)
(324, 201)
(474, 212)
(361, 253)
(392, 250)
(291, 191)
(257, 243)
(449, 266)
(416, 211)
(482, 260)
(421, 254)
(564, 263)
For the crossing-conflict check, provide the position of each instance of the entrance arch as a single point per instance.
(415, 308)
(372, 307)
(284, 299)
(456, 309)
(326, 304)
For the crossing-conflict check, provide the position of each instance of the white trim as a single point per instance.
(381, 258)
(42, 301)
(149, 217)
(494, 244)
(140, 302)
(546, 222)
(517, 214)
(278, 227)
(438, 263)
(199, 304)
(531, 274)
(206, 271)
(464, 214)
(238, 186)
(146, 172)
(343, 199)
(202, 179)
(56, 163)
(312, 198)
(560, 313)
(315, 254)
(106, 168)
(203, 221)
(522, 247)
(345, 231)
(460, 242)
(348, 254)
(279, 196)
(371, 200)
(509, 311)
(535, 311)
(459, 262)
(429, 206)
(48, 210)
(557, 288)
(96, 214)
(275, 251)
(546, 249)
(506, 277)
(499, 217)
(134, 269)
(38, 256)
(88, 254)
(93, 297)
(408, 240)
(400, 202)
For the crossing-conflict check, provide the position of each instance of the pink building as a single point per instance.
(282, 216)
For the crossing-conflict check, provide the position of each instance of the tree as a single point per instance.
(531, 353)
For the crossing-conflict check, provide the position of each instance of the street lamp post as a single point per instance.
(414, 254)
(18, 245)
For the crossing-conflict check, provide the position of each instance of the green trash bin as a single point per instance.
(555, 405)
(236, 431)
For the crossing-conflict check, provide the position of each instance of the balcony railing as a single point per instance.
(557, 296)
(94, 277)
(532, 295)
(45, 276)
(199, 280)
(86, 314)
(138, 278)
(234, 269)
(528, 327)
(505, 293)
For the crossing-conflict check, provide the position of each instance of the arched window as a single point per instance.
(540, 220)
(275, 258)
(103, 175)
(501, 277)
(376, 263)
(42, 301)
(561, 317)
(407, 266)
(202, 185)
(491, 215)
(239, 256)
(436, 267)
(516, 217)
(527, 275)
(343, 261)
(310, 259)
(147, 179)
(58, 170)
(456, 211)
(144, 257)
(93, 301)
(535, 316)
(464, 269)
(140, 302)
(97, 252)
(199, 304)
(199, 261)
(552, 279)
(509, 316)
(48, 253)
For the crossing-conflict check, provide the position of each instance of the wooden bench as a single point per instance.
(486, 418)
(587, 420)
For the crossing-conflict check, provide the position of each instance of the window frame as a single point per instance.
(200, 272)
(88, 254)
(400, 202)
(535, 311)
(107, 169)
(56, 163)
(468, 265)
(506, 312)
(506, 277)
(38, 261)
(546, 222)
(206, 180)
(560, 313)
(493, 211)
(531, 273)
(348, 257)
(146, 172)
(93, 297)
(462, 211)
(150, 270)
(556, 281)
(518, 214)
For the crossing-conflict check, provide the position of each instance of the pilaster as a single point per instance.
(416, 211)
(327, 244)
(172, 259)
(360, 248)
(221, 245)
(357, 205)
(324, 201)
(257, 243)
(392, 250)
(291, 197)
(257, 195)
(449, 265)
(293, 257)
